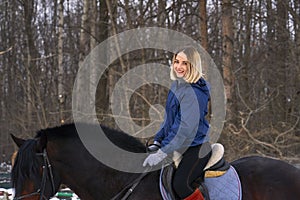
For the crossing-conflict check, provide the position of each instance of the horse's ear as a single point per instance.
(18, 141)
(42, 142)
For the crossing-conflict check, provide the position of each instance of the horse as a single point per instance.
(57, 156)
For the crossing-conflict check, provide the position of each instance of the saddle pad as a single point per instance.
(226, 187)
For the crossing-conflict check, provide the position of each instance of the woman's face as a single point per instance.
(181, 65)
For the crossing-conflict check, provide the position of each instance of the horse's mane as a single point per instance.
(119, 138)
(27, 163)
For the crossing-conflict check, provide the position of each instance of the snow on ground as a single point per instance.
(64, 194)
(6, 194)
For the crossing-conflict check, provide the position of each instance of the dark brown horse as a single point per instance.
(57, 156)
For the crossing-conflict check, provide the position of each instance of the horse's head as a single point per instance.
(32, 174)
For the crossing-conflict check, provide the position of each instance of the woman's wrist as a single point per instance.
(156, 143)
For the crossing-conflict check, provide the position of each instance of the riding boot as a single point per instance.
(197, 195)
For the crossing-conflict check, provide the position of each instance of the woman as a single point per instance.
(185, 128)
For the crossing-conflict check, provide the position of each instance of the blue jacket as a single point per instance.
(184, 121)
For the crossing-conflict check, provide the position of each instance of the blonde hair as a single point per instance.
(194, 72)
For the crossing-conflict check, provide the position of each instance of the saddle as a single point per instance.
(216, 166)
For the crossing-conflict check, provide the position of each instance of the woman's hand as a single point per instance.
(154, 159)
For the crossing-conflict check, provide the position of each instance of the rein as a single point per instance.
(47, 173)
(129, 188)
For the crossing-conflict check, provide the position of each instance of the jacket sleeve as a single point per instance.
(160, 135)
(186, 122)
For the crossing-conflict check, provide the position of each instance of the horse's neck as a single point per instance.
(105, 185)
(84, 174)
(93, 179)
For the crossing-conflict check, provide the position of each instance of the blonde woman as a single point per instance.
(185, 128)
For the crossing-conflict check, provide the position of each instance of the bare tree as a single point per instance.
(61, 88)
(103, 32)
(255, 45)
(84, 47)
(203, 24)
(227, 57)
(32, 54)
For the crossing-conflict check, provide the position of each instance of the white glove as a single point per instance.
(154, 159)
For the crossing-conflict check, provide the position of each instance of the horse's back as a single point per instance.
(266, 178)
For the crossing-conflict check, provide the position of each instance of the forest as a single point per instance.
(255, 45)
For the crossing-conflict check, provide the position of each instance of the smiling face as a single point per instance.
(181, 65)
(186, 65)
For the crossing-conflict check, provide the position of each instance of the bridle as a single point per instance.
(47, 173)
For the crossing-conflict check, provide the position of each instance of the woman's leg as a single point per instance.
(190, 168)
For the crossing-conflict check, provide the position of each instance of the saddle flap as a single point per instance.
(167, 177)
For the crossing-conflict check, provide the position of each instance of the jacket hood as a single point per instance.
(203, 85)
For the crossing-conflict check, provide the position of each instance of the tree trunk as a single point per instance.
(282, 49)
(270, 21)
(102, 94)
(227, 57)
(246, 50)
(32, 54)
(297, 58)
(162, 4)
(203, 25)
(82, 86)
(61, 87)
